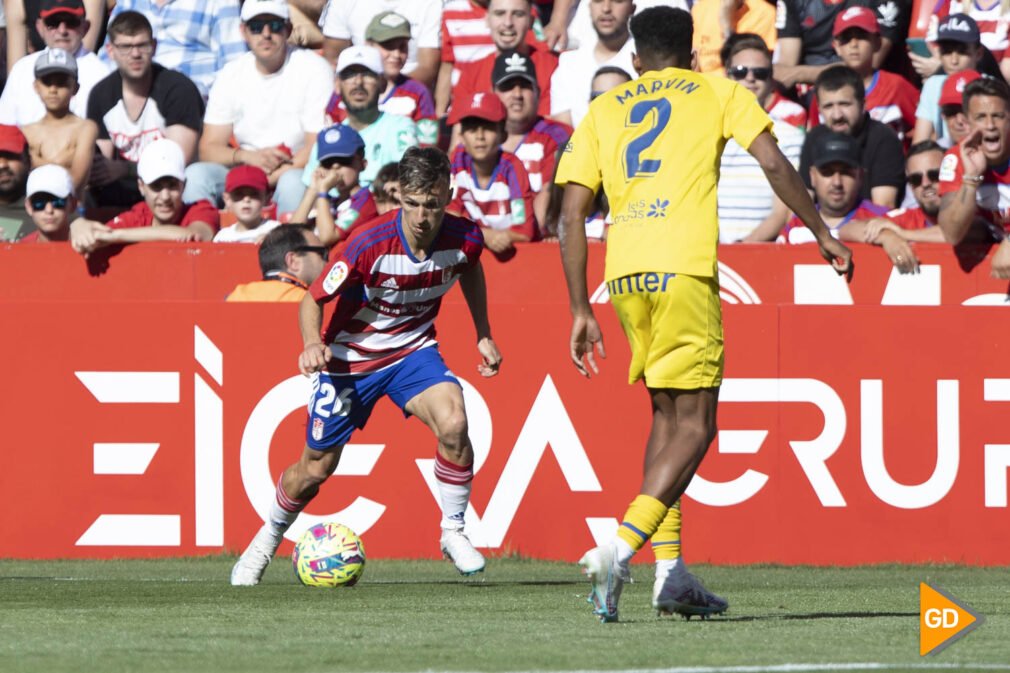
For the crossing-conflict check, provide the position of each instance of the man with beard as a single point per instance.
(922, 170)
(387, 136)
(841, 98)
(271, 100)
(974, 174)
(15, 222)
(139, 103)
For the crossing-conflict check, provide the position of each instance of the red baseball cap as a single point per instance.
(12, 140)
(484, 105)
(246, 176)
(953, 86)
(50, 7)
(856, 17)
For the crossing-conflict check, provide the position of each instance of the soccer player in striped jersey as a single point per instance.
(653, 145)
(388, 283)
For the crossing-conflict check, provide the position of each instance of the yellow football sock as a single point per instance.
(641, 520)
(666, 540)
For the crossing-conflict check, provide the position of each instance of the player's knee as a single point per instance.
(452, 430)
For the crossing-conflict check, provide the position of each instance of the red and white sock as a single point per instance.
(284, 509)
(454, 491)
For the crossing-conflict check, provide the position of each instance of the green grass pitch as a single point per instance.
(181, 615)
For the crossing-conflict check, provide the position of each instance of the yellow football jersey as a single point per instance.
(655, 144)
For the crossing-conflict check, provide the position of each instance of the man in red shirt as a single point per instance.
(161, 216)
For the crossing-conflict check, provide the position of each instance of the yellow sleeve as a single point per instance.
(580, 160)
(744, 119)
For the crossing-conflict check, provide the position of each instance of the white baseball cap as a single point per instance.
(360, 54)
(162, 158)
(254, 8)
(49, 179)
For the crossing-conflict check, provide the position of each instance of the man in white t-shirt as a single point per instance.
(271, 100)
(613, 45)
(62, 25)
(344, 22)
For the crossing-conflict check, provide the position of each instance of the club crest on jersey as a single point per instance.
(317, 429)
(335, 277)
(948, 167)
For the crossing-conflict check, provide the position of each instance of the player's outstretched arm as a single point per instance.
(788, 186)
(586, 335)
(474, 288)
(310, 319)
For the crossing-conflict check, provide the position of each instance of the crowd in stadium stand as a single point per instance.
(198, 120)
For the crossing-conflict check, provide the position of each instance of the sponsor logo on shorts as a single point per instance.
(336, 276)
(317, 429)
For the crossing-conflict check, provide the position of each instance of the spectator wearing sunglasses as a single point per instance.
(62, 26)
(716, 20)
(890, 98)
(50, 202)
(749, 210)
(291, 258)
(196, 37)
(341, 204)
(21, 17)
(264, 110)
(245, 191)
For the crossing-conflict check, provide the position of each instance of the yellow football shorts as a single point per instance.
(674, 325)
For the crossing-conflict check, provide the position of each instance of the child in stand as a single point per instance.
(49, 199)
(386, 188)
(245, 192)
(339, 200)
(60, 137)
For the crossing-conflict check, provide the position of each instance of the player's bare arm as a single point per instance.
(586, 335)
(474, 287)
(957, 209)
(316, 354)
(788, 186)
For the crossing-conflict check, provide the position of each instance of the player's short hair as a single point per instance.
(663, 33)
(987, 86)
(423, 169)
(923, 147)
(840, 76)
(278, 243)
(738, 42)
(129, 23)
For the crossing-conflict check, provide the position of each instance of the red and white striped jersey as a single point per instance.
(505, 201)
(387, 299)
(465, 34)
(784, 110)
(992, 197)
(538, 150)
(910, 218)
(993, 25)
(890, 99)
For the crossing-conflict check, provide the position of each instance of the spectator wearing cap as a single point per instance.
(196, 37)
(890, 98)
(805, 32)
(291, 257)
(975, 174)
(344, 22)
(341, 203)
(913, 224)
(271, 101)
(717, 20)
(992, 18)
(387, 136)
(62, 26)
(491, 186)
(957, 40)
(60, 137)
(835, 174)
(841, 99)
(161, 216)
(49, 200)
(22, 16)
(140, 102)
(534, 140)
(749, 210)
(612, 46)
(245, 192)
(389, 33)
(509, 21)
(951, 108)
(15, 223)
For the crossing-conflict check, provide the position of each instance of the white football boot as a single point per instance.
(607, 577)
(677, 591)
(457, 548)
(250, 567)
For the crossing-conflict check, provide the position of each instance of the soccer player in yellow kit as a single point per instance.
(654, 145)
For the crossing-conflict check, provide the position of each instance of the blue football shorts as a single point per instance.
(340, 403)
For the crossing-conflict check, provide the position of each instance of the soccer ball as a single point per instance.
(329, 555)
